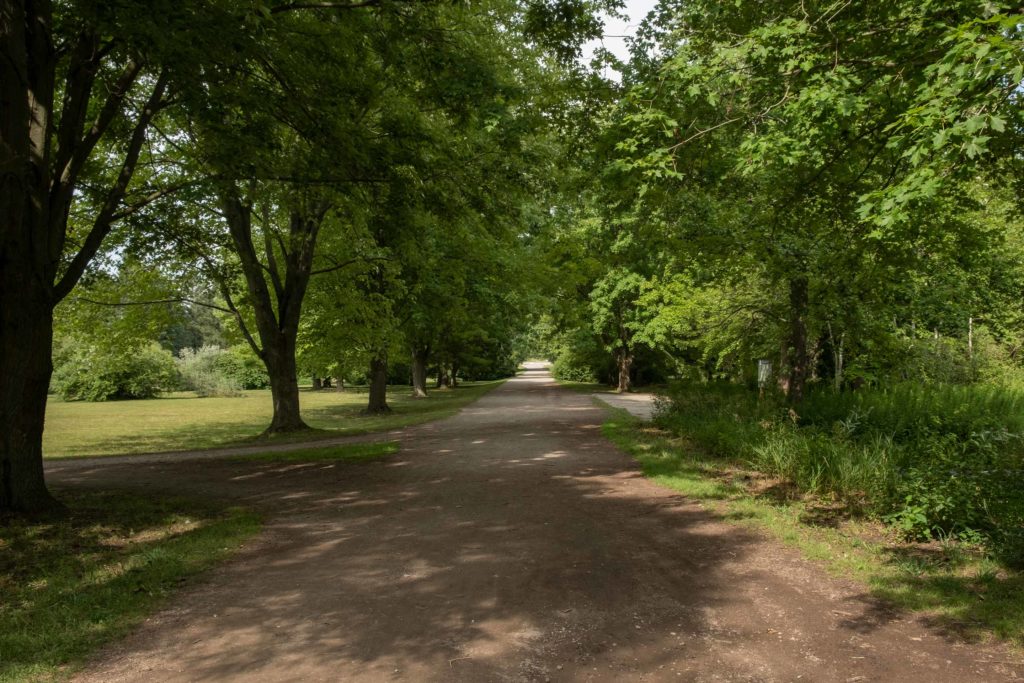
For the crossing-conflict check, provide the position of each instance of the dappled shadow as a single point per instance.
(476, 547)
(825, 515)
(508, 542)
(71, 580)
(934, 577)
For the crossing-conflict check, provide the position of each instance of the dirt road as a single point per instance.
(511, 542)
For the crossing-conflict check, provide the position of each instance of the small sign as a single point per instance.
(764, 372)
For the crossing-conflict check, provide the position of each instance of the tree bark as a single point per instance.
(279, 357)
(378, 402)
(444, 379)
(798, 355)
(420, 356)
(38, 180)
(26, 341)
(625, 362)
(317, 384)
(454, 383)
(276, 325)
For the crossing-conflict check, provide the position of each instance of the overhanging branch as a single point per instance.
(153, 302)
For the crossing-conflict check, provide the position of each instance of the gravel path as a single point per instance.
(508, 543)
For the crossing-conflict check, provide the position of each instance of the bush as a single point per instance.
(208, 371)
(92, 373)
(570, 370)
(242, 366)
(932, 461)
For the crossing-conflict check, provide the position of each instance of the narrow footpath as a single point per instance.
(511, 542)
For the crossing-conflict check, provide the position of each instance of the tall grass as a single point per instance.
(931, 460)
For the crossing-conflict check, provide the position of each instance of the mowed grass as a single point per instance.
(356, 452)
(963, 589)
(185, 422)
(70, 584)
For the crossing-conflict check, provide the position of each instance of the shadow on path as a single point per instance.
(511, 542)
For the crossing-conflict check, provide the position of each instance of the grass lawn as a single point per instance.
(961, 588)
(356, 452)
(184, 422)
(70, 584)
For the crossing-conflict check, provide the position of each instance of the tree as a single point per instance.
(81, 85)
(778, 117)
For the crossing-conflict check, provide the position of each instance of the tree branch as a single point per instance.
(102, 224)
(153, 302)
(293, 6)
(73, 151)
(268, 248)
(346, 264)
(150, 198)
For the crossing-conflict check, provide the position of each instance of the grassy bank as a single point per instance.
(184, 422)
(73, 583)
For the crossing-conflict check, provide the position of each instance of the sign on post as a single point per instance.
(764, 374)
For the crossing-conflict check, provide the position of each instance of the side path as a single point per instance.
(510, 542)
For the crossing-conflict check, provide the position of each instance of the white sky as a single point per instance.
(636, 10)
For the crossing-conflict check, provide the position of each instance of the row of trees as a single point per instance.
(831, 186)
(347, 177)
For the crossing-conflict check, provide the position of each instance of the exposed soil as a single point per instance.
(508, 543)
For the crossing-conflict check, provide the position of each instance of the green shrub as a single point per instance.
(208, 371)
(95, 373)
(932, 460)
(569, 370)
(242, 366)
(580, 358)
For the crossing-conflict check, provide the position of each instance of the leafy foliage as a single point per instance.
(92, 373)
(935, 461)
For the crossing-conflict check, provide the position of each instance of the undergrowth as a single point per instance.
(931, 461)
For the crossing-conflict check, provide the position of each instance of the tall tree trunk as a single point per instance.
(420, 356)
(378, 402)
(38, 183)
(284, 385)
(625, 362)
(26, 340)
(455, 376)
(444, 379)
(798, 355)
(277, 319)
(27, 63)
